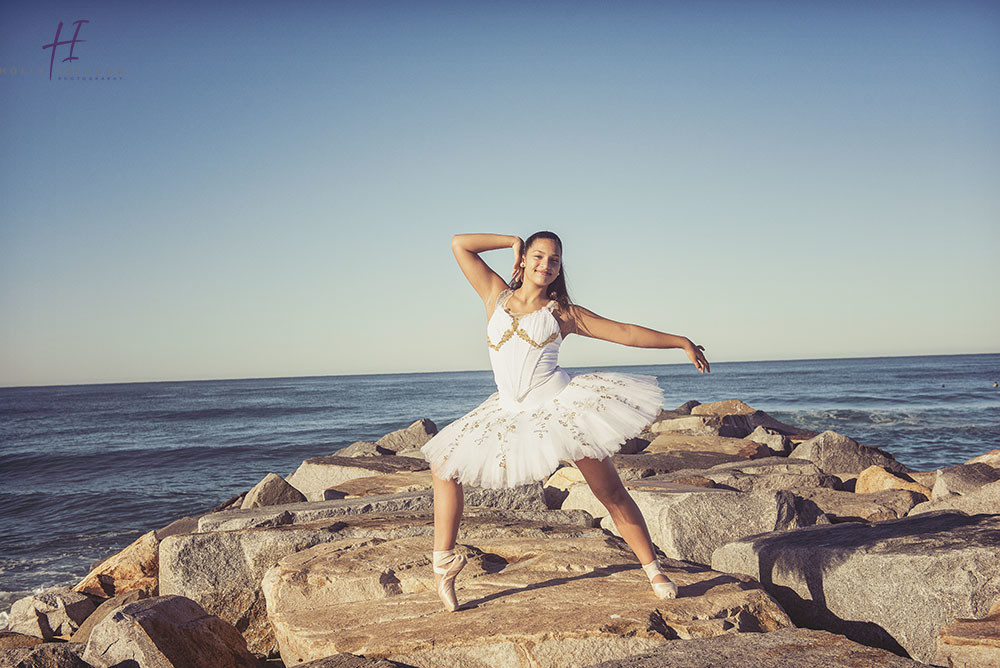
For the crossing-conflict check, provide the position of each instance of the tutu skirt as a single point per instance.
(497, 445)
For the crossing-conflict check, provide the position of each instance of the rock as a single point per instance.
(166, 632)
(963, 479)
(766, 473)
(350, 661)
(45, 655)
(569, 598)
(524, 497)
(222, 570)
(734, 426)
(843, 506)
(970, 643)
(300, 513)
(752, 418)
(272, 490)
(878, 478)
(363, 449)
(82, 634)
(133, 569)
(12, 639)
(556, 488)
(992, 458)
(777, 442)
(986, 499)
(691, 522)
(230, 504)
(317, 474)
(55, 612)
(835, 454)
(727, 407)
(378, 485)
(188, 524)
(410, 438)
(784, 648)
(892, 584)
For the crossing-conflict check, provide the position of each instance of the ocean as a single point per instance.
(87, 469)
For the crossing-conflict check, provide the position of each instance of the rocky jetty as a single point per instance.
(789, 547)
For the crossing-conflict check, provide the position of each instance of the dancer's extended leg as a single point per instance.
(604, 482)
(449, 501)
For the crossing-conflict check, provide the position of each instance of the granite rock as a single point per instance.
(55, 612)
(877, 478)
(837, 454)
(272, 490)
(970, 643)
(568, 599)
(891, 584)
(82, 634)
(166, 632)
(844, 506)
(45, 655)
(963, 479)
(785, 648)
(317, 474)
(134, 568)
(985, 499)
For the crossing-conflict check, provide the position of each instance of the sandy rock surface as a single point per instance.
(574, 597)
(54, 612)
(835, 454)
(970, 643)
(317, 474)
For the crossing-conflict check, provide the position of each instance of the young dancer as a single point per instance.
(540, 414)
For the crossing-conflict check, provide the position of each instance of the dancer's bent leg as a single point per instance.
(449, 501)
(604, 482)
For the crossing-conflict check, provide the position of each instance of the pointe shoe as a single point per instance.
(662, 589)
(448, 564)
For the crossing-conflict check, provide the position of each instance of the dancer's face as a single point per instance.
(542, 262)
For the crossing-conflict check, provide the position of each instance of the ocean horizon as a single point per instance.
(88, 468)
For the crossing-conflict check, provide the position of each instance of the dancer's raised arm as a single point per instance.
(467, 247)
(588, 323)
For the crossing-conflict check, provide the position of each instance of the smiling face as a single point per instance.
(542, 262)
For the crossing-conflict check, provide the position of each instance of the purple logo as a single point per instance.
(72, 44)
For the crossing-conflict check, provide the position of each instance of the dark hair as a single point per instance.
(557, 289)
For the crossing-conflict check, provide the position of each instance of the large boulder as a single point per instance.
(891, 584)
(766, 473)
(166, 632)
(963, 479)
(45, 655)
(272, 490)
(843, 506)
(133, 569)
(992, 458)
(408, 438)
(785, 648)
(317, 474)
(381, 485)
(55, 612)
(970, 643)
(985, 499)
(778, 443)
(748, 417)
(82, 634)
(837, 454)
(690, 522)
(569, 598)
(222, 570)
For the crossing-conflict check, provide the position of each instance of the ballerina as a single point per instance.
(540, 414)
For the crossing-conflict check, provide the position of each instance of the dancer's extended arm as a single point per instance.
(588, 323)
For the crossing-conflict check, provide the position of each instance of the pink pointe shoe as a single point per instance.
(662, 589)
(448, 564)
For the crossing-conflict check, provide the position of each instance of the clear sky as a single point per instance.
(270, 188)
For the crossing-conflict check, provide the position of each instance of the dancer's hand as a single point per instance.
(518, 244)
(697, 357)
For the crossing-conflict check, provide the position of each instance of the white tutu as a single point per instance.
(540, 414)
(493, 446)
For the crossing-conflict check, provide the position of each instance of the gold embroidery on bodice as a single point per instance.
(516, 329)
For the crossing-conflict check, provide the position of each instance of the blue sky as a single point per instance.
(270, 189)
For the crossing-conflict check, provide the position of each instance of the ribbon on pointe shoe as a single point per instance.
(448, 564)
(662, 589)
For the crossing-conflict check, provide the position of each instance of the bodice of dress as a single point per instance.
(524, 354)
